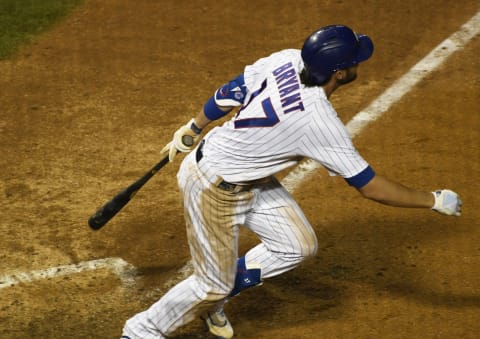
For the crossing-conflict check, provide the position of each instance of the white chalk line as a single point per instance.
(118, 266)
(126, 272)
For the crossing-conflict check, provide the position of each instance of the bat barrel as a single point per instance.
(96, 222)
(111, 208)
(108, 211)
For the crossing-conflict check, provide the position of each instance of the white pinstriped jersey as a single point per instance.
(281, 121)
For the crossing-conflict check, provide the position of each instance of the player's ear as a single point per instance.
(340, 74)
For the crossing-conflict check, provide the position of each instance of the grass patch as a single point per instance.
(20, 20)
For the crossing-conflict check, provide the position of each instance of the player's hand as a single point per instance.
(184, 140)
(447, 202)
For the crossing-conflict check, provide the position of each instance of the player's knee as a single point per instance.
(309, 247)
(303, 249)
(295, 255)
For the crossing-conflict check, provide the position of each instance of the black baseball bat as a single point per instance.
(112, 207)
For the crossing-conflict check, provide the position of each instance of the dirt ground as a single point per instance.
(86, 107)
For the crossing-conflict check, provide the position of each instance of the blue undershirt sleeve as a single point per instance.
(362, 178)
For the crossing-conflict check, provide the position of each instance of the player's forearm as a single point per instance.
(201, 120)
(385, 191)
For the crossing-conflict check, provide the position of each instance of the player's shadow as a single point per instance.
(379, 258)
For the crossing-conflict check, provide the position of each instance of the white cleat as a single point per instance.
(218, 324)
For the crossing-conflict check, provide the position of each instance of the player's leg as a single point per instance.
(287, 237)
(212, 231)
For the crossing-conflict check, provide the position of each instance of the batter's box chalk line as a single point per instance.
(125, 271)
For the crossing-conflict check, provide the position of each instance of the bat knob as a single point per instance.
(188, 140)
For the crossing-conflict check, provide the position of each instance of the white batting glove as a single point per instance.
(184, 140)
(447, 202)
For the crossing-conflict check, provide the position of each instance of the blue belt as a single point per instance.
(199, 154)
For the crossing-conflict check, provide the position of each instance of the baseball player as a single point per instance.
(283, 115)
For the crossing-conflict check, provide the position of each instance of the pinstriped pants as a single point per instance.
(213, 217)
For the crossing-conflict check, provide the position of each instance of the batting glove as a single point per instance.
(184, 140)
(447, 202)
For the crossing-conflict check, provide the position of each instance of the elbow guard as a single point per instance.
(230, 94)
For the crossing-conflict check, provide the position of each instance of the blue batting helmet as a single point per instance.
(332, 48)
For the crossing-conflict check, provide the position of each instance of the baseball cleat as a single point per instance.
(218, 324)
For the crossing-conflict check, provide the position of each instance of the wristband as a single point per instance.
(195, 128)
